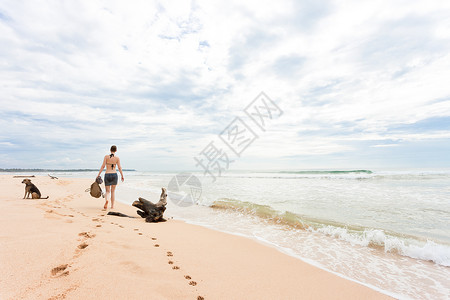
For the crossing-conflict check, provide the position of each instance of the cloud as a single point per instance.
(385, 145)
(162, 80)
(6, 144)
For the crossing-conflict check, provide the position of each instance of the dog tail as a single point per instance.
(44, 197)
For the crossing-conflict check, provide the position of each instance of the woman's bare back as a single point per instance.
(111, 163)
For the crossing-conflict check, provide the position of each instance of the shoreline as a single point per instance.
(67, 247)
(289, 252)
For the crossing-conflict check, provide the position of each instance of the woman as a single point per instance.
(111, 161)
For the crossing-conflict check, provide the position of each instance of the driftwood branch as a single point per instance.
(118, 214)
(150, 211)
(52, 177)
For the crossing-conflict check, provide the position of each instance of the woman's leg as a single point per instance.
(113, 195)
(108, 192)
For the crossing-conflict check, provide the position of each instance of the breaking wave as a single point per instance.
(329, 172)
(392, 242)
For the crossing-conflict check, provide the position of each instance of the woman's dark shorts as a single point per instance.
(111, 179)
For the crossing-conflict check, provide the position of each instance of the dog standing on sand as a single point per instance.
(31, 189)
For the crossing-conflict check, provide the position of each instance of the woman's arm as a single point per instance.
(120, 168)
(103, 166)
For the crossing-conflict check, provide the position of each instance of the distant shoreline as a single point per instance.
(56, 170)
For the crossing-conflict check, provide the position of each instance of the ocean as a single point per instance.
(389, 230)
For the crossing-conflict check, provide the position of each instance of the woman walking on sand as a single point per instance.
(111, 178)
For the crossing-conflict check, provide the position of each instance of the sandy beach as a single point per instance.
(66, 247)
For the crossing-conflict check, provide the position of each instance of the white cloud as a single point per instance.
(385, 145)
(165, 78)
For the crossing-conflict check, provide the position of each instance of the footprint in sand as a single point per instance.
(98, 225)
(136, 229)
(176, 267)
(193, 283)
(82, 246)
(140, 233)
(86, 234)
(170, 262)
(169, 253)
(154, 239)
(156, 245)
(200, 298)
(60, 271)
(63, 294)
(187, 277)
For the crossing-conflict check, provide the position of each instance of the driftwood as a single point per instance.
(118, 214)
(150, 211)
(52, 177)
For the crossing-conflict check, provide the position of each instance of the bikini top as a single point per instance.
(111, 156)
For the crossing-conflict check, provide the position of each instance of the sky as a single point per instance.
(358, 84)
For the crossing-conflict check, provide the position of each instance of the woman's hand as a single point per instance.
(123, 179)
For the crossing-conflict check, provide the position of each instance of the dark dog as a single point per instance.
(31, 189)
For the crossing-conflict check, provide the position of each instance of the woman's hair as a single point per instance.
(113, 148)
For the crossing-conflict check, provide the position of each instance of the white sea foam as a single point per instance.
(438, 253)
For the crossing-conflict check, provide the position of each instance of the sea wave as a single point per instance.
(348, 175)
(321, 172)
(392, 242)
